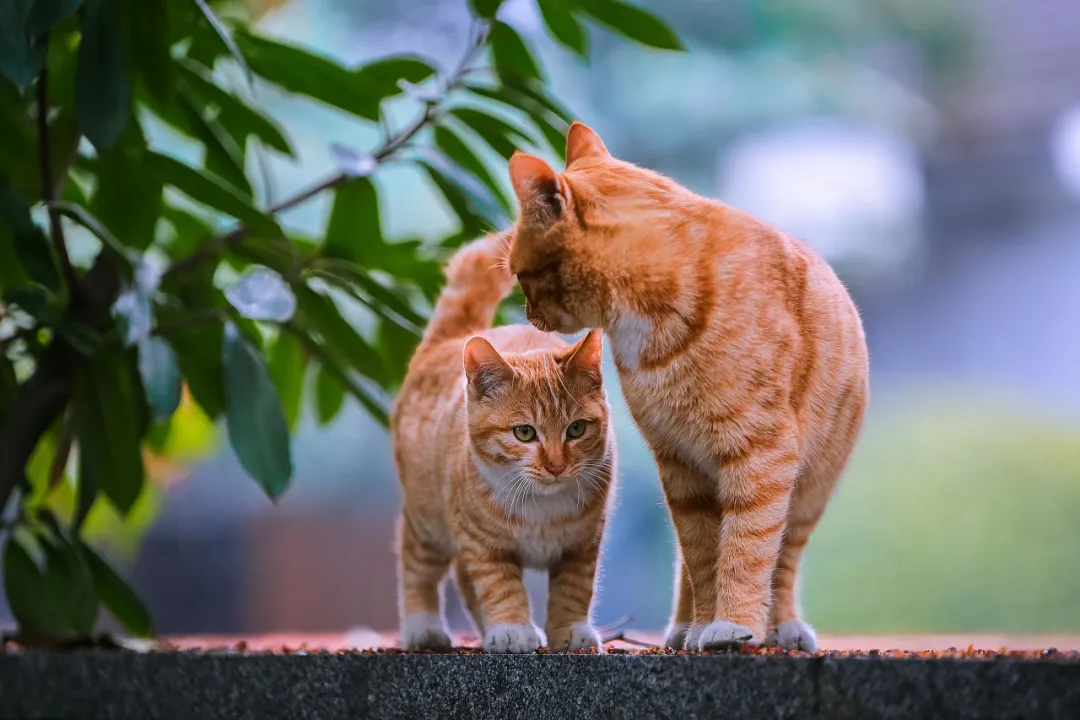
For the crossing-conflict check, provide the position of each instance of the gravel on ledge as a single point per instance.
(321, 684)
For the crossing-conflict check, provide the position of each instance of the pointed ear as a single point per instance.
(583, 142)
(485, 368)
(540, 193)
(586, 357)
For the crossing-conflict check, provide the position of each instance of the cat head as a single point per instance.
(538, 421)
(570, 223)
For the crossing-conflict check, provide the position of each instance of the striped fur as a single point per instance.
(482, 501)
(741, 356)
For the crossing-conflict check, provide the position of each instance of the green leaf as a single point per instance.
(329, 397)
(397, 345)
(511, 55)
(258, 431)
(117, 596)
(287, 367)
(382, 78)
(357, 281)
(633, 22)
(109, 425)
(327, 359)
(32, 249)
(359, 92)
(354, 230)
(20, 61)
(237, 117)
(55, 599)
(128, 199)
(318, 312)
(102, 85)
(160, 377)
(199, 352)
(552, 119)
(146, 26)
(9, 385)
(470, 201)
(188, 233)
(564, 27)
(44, 15)
(225, 36)
(459, 152)
(224, 157)
(485, 8)
(86, 492)
(262, 294)
(211, 191)
(503, 137)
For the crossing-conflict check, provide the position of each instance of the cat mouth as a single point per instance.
(564, 323)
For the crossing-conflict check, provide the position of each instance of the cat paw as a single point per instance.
(793, 635)
(579, 636)
(676, 636)
(721, 635)
(424, 631)
(511, 638)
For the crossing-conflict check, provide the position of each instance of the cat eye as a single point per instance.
(575, 429)
(525, 433)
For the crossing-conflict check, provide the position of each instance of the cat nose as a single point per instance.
(555, 467)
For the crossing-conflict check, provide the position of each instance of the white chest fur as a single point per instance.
(629, 336)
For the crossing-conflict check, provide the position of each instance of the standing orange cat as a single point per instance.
(741, 356)
(505, 463)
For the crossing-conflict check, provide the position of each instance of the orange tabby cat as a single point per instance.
(505, 464)
(742, 359)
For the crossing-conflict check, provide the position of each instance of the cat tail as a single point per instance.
(477, 280)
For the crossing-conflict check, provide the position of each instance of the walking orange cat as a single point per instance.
(506, 460)
(741, 356)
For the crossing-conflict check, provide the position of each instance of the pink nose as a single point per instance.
(555, 468)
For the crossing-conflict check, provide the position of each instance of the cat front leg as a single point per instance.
(571, 585)
(496, 578)
(422, 568)
(755, 493)
(697, 516)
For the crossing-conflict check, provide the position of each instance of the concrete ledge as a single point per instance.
(99, 684)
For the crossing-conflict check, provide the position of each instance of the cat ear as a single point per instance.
(485, 367)
(582, 142)
(540, 193)
(586, 357)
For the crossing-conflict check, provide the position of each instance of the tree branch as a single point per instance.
(48, 185)
(210, 248)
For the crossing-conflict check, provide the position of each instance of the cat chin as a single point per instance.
(559, 322)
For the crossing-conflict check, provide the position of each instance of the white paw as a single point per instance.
(675, 636)
(511, 638)
(722, 634)
(692, 634)
(793, 635)
(424, 631)
(582, 636)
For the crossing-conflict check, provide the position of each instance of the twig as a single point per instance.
(48, 187)
(390, 146)
(614, 627)
(629, 641)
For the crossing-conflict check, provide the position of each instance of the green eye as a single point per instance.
(525, 433)
(575, 429)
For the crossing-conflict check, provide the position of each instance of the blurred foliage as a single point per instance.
(188, 302)
(957, 514)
